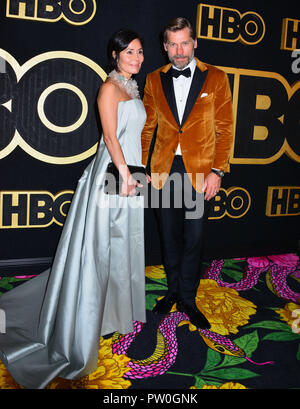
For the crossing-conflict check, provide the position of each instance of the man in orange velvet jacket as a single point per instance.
(189, 103)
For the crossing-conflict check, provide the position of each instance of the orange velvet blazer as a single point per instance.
(205, 133)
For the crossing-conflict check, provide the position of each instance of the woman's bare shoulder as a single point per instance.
(109, 89)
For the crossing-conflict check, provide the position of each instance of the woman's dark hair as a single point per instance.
(177, 24)
(118, 42)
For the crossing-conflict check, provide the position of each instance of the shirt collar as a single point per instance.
(191, 65)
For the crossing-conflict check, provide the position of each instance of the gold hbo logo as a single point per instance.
(226, 24)
(59, 124)
(290, 37)
(233, 202)
(23, 209)
(283, 201)
(76, 12)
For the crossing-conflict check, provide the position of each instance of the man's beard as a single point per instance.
(182, 65)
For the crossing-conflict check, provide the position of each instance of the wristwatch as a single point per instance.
(220, 173)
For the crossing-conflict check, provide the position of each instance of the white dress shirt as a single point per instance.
(182, 87)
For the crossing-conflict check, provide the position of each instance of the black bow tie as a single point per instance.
(177, 73)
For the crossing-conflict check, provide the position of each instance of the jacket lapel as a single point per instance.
(167, 85)
(199, 78)
(196, 86)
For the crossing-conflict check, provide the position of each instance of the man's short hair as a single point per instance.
(178, 23)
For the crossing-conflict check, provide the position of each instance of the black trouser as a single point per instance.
(182, 238)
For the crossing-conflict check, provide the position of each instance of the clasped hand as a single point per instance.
(129, 186)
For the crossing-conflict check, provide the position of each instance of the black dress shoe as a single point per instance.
(195, 316)
(165, 305)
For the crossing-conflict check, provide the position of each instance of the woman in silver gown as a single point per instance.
(96, 284)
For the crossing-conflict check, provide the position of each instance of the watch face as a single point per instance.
(221, 173)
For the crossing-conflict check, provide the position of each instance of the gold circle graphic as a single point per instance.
(242, 200)
(256, 24)
(45, 120)
(77, 12)
(234, 199)
(247, 30)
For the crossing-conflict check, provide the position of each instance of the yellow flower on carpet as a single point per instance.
(108, 375)
(227, 385)
(6, 380)
(156, 272)
(289, 314)
(223, 307)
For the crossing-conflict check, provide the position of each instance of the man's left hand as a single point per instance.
(211, 186)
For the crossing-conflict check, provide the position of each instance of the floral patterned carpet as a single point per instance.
(253, 306)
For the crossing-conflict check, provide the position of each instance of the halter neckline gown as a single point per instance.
(96, 284)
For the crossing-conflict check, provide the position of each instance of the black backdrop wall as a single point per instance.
(53, 57)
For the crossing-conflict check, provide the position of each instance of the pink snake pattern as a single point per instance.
(166, 353)
(277, 273)
(167, 346)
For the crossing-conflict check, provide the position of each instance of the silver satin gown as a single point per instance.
(96, 284)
